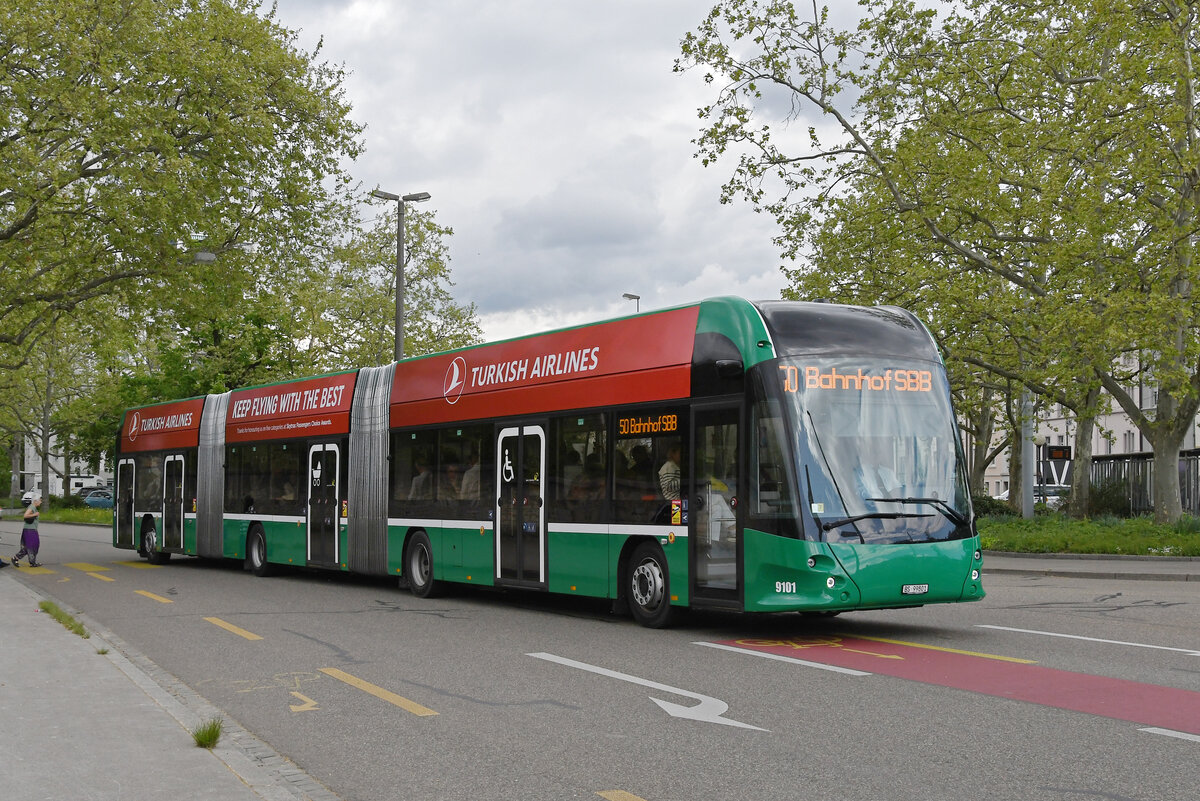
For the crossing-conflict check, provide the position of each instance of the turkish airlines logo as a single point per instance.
(456, 380)
(135, 422)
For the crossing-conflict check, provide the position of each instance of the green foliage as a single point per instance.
(987, 506)
(68, 622)
(1058, 534)
(208, 733)
(1110, 499)
(1019, 172)
(137, 134)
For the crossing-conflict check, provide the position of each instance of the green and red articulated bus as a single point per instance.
(759, 457)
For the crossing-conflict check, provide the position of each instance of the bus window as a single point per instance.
(287, 474)
(648, 453)
(148, 482)
(771, 484)
(579, 468)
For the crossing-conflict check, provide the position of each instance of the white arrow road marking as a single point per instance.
(709, 710)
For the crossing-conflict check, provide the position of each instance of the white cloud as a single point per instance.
(556, 142)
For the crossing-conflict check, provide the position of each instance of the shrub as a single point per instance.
(987, 506)
(1110, 499)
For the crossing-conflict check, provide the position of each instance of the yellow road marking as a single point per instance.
(379, 692)
(152, 596)
(38, 571)
(137, 563)
(619, 795)
(249, 635)
(308, 705)
(86, 567)
(947, 650)
(101, 576)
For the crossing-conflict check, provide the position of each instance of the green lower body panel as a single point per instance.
(783, 574)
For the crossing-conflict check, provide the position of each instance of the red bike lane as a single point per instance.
(1002, 677)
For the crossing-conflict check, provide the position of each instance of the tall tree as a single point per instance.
(128, 127)
(352, 316)
(1044, 150)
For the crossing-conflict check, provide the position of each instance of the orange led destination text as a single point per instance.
(890, 381)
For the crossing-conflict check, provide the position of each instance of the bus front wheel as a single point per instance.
(649, 587)
(419, 566)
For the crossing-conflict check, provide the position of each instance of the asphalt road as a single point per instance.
(1050, 688)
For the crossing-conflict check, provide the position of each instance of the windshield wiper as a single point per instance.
(832, 524)
(946, 509)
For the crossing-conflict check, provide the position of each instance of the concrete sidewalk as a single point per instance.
(75, 723)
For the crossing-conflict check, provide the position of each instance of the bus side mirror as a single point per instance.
(730, 368)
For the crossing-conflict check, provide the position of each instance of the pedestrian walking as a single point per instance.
(30, 541)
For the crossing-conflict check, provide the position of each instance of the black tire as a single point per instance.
(150, 548)
(418, 567)
(648, 587)
(256, 554)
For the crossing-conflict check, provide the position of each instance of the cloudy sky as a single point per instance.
(556, 141)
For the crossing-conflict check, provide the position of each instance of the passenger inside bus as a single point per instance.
(422, 484)
(469, 489)
(668, 474)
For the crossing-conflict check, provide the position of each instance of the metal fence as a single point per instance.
(1136, 474)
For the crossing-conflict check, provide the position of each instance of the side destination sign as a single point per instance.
(162, 427)
(635, 360)
(312, 407)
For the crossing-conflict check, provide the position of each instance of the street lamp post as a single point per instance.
(416, 197)
(637, 300)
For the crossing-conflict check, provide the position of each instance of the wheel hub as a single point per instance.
(648, 585)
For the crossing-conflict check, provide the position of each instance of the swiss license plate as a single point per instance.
(914, 589)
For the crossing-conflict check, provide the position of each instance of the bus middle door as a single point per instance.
(713, 534)
(173, 470)
(123, 505)
(323, 511)
(520, 513)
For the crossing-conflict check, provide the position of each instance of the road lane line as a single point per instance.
(238, 630)
(379, 692)
(1188, 651)
(101, 576)
(781, 658)
(152, 596)
(619, 795)
(947, 650)
(86, 567)
(1171, 733)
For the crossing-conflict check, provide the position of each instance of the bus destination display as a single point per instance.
(890, 381)
(648, 424)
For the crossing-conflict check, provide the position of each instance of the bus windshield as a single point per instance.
(878, 449)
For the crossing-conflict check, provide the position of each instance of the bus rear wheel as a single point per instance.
(256, 554)
(150, 548)
(648, 587)
(418, 564)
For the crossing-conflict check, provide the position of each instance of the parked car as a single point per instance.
(99, 499)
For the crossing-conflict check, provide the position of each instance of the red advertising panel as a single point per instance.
(625, 361)
(167, 426)
(312, 407)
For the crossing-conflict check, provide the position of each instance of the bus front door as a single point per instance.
(123, 504)
(323, 512)
(520, 513)
(173, 470)
(713, 531)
